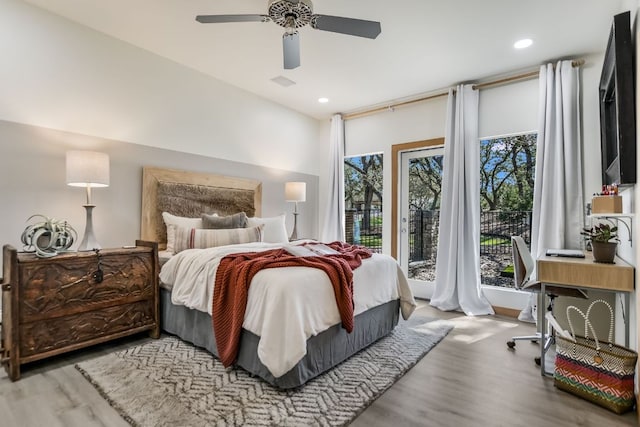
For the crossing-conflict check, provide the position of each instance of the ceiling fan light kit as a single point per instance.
(294, 14)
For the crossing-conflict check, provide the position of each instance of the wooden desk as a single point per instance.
(584, 273)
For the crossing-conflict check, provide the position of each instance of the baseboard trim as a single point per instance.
(507, 312)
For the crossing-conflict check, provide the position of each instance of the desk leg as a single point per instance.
(543, 325)
(625, 317)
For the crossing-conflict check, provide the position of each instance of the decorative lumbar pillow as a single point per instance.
(195, 238)
(238, 220)
(173, 221)
(274, 230)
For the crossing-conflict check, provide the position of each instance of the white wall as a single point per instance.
(65, 86)
(61, 75)
(32, 181)
(507, 109)
(377, 133)
(634, 7)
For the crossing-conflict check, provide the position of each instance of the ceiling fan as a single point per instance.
(294, 14)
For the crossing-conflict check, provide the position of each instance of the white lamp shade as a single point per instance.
(87, 169)
(295, 191)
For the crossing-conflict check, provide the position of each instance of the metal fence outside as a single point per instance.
(496, 229)
(364, 227)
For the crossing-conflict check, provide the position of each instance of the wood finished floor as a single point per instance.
(469, 379)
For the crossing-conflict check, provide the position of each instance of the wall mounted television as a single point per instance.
(617, 106)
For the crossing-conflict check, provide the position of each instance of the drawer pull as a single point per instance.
(98, 275)
(6, 287)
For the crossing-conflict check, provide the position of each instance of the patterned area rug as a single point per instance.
(168, 382)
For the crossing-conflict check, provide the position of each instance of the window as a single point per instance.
(507, 167)
(363, 200)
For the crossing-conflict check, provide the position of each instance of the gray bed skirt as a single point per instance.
(324, 350)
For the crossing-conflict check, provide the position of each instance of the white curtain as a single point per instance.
(457, 285)
(558, 200)
(333, 228)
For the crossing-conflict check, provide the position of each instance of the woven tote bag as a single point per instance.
(601, 372)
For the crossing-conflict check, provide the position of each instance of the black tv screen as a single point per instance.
(617, 106)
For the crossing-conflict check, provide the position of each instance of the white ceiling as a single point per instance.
(425, 45)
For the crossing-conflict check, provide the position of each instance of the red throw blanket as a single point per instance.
(233, 279)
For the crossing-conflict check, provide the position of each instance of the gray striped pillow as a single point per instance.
(198, 238)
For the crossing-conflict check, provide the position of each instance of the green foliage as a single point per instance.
(507, 172)
(600, 233)
(425, 182)
(493, 241)
(363, 180)
(376, 221)
(371, 241)
(513, 200)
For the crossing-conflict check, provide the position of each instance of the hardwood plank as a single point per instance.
(472, 379)
(469, 379)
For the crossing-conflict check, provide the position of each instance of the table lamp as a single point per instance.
(88, 169)
(295, 192)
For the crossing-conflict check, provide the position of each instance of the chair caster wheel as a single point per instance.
(537, 360)
(511, 344)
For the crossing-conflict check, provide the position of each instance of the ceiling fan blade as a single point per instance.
(220, 19)
(353, 27)
(291, 50)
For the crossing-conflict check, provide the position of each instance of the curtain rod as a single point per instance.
(517, 77)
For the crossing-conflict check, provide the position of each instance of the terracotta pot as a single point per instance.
(604, 252)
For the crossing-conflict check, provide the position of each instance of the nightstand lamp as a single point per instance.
(295, 192)
(88, 169)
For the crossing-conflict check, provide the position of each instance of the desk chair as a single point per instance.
(523, 264)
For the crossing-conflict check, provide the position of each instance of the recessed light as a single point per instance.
(323, 100)
(521, 44)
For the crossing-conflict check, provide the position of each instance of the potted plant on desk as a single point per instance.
(604, 242)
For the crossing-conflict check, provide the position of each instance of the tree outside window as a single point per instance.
(363, 200)
(506, 200)
(507, 166)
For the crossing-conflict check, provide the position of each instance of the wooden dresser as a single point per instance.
(55, 305)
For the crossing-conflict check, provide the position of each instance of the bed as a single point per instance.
(287, 338)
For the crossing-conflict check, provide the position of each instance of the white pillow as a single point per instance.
(196, 238)
(173, 221)
(274, 231)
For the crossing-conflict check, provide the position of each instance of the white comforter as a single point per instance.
(285, 306)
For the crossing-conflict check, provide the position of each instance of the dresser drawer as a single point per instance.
(52, 334)
(51, 306)
(66, 285)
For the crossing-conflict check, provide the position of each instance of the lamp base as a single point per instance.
(89, 241)
(294, 233)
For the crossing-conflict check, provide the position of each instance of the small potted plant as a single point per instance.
(604, 242)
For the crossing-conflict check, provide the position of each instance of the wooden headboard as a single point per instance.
(191, 194)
